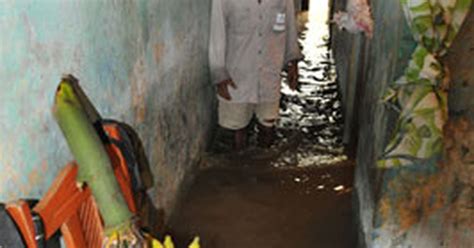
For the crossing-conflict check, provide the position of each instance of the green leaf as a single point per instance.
(422, 23)
(424, 131)
(424, 7)
(463, 5)
(419, 56)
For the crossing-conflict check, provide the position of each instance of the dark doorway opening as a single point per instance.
(305, 5)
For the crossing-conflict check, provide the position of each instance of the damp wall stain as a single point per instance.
(365, 69)
(111, 46)
(427, 204)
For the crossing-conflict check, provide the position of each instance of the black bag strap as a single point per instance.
(39, 230)
(10, 236)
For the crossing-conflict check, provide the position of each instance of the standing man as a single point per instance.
(251, 42)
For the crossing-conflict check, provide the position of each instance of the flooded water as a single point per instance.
(251, 208)
(309, 131)
(285, 196)
(312, 115)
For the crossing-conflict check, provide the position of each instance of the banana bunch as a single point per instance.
(168, 243)
(131, 240)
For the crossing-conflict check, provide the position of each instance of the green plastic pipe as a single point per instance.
(94, 164)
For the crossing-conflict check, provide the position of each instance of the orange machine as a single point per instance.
(69, 206)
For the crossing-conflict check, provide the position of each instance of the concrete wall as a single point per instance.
(423, 205)
(143, 62)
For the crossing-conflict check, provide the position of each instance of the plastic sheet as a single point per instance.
(357, 18)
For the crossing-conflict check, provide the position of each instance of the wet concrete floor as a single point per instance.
(260, 207)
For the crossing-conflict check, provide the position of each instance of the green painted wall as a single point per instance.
(143, 62)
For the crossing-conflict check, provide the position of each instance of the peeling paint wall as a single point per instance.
(143, 62)
(426, 205)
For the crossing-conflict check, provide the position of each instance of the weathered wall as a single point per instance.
(143, 62)
(365, 69)
(427, 205)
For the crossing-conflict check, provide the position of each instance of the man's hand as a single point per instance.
(223, 90)
(293, 75)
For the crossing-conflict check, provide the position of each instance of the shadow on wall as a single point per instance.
(152, 218)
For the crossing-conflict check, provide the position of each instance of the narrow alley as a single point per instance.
(162, 124)
(299, 192)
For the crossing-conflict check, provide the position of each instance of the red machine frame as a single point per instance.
(70, 207)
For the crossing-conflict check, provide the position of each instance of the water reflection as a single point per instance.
(314, 111)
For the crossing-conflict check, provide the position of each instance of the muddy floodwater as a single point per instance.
(315, 108)
(310, 127)
(268, 208)
(297, 193)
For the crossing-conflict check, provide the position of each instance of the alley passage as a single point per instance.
(297, 194)
(311, 119)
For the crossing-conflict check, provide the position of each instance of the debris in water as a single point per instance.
(287, 160)
(339, 188)
(313, 159)
(325, 176)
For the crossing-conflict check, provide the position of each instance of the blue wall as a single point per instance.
(143, 62)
